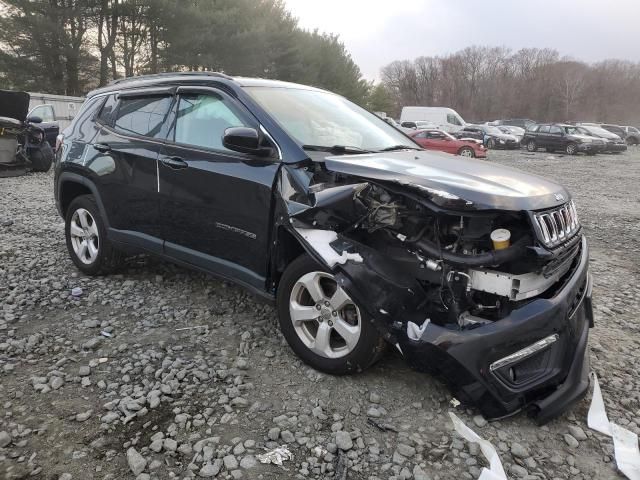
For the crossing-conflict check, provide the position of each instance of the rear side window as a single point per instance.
(203, 118)
(108, 109)
(142, 115)
(556, 130)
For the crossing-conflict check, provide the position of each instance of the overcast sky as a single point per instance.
(376, 32)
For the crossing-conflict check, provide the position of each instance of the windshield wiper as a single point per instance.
(335, 149)
(399, 147)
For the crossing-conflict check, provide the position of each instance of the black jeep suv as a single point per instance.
(471, 270)
(560, 137)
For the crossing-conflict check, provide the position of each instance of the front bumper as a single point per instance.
(615, 147)
(546, 382)
(590, 147)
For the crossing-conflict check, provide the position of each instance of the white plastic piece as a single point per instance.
(76, 291)
(276, 456)
(415, 332)
(625, 442)
(496, 470)
(320, 241)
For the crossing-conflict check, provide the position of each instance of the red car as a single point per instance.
(433, 139)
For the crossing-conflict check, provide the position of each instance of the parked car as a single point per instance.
(459, 264)
(612, 142)
(491, 136)
(511, 130)
(525, 123)
(443, 118)
(433, 139)
(632, 135)
(570, 139)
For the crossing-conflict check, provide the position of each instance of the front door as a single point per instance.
(215, 203)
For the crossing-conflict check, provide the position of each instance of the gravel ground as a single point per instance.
(159, 372)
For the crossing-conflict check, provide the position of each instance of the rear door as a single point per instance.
(542, 137)
(127, 151)
(215, 203)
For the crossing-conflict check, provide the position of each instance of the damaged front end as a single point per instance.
(504, 320)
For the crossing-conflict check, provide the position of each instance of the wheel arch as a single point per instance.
(286, 248)
(71, 186)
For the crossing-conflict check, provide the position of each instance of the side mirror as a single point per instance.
(34, 119)
(245, 140)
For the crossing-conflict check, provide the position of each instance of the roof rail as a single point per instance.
(169, 74)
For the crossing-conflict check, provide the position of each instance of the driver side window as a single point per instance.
(203, 118)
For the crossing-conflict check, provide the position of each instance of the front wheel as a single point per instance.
(466, 152)
(41, 157)
(322, 324)
(86, 235)
(571, 149)
(531, 146)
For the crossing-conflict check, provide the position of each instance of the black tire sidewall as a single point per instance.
(41, 158)
(362, 356)
(88, 203)
(531, 146)
(569, 145)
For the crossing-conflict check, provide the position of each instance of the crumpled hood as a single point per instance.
(482, 185)
(14, 104)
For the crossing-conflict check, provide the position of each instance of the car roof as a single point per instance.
(195, 78)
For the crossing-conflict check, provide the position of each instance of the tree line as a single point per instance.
(485, 83)
(71, 46)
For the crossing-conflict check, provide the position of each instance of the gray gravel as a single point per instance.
(117, 383)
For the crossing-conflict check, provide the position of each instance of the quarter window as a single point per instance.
(203, 118)
(142, 115)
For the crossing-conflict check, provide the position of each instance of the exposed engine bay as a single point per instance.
(466, 277)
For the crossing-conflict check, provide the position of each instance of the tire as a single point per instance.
(336, 355)
(41, 158)
(491, 144)
(531, 146)
(632, 141)
(571, 149)
(466, 152)
(83, 223)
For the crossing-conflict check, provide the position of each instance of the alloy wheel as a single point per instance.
(324, 317)
(531, 146)
(466, 152)
(571, 149)
(85, 239)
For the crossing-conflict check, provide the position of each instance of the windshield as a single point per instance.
(575, 131)
(493, 130)
(323, 119)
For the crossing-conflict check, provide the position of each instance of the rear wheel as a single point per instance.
(571, 149)
(531, 146)
(86, 235)
(466, 152)
(322, 324)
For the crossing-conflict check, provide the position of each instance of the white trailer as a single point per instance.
(446, 119)
(54, 108)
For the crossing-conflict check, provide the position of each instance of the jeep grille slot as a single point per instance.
(557, 226)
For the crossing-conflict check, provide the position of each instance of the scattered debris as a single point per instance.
(625, 442)
(106, 334)
(383, 427)
(76, 291)
(496, 470)
(276, 456)
(454, 402)
(190, 328)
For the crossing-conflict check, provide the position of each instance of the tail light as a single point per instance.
(59, 140)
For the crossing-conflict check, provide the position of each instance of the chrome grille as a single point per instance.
(557, 226)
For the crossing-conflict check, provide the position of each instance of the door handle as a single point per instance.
(102, 147)
(174, 162)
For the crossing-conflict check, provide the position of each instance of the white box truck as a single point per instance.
(54, 108)
(446, 119)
